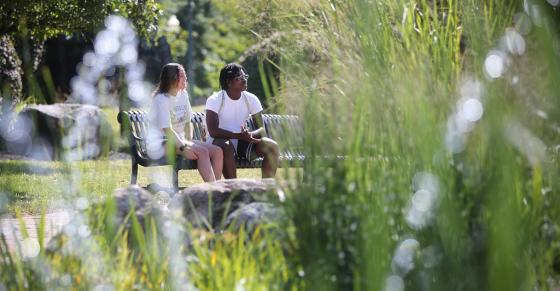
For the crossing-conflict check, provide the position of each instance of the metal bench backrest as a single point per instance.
(286, 130)
(136, 122)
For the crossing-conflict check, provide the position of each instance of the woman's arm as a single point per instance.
(172, 135)
(188, 131)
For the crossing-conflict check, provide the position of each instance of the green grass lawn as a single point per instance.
(111, 113)
(31, 185)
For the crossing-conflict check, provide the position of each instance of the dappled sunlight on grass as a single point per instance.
(31, 185)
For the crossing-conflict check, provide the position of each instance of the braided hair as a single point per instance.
(228, 73)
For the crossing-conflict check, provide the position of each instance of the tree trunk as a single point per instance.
(10, 71)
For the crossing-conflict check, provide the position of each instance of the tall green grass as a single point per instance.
(378, 82)
(145, 256)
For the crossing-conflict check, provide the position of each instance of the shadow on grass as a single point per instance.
(26, 202)
(15, 198)
(20, 197)
(7, 168)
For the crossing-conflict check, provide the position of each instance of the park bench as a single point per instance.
(286, 130)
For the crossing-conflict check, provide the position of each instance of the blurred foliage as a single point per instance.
(26, 24)
(380, 83)
(44, 19)
(219, 37)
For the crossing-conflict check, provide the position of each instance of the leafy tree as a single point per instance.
(218, 38)
(26, 24)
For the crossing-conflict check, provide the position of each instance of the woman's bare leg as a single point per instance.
(202, 157)
(216, 157)
(204, 164)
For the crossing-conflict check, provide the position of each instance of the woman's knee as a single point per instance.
(216, 151)
(201, 151)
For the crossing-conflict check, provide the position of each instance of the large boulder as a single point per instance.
(44, 131)
(253, 214)
(112, 215)
(209, 205)
(142, 202)
(215, 206)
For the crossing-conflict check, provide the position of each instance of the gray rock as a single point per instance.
(209, 204)
(143, 202)
(42, 131)
(171, 233)
(215, 206)
(155, 188)
(253, 214)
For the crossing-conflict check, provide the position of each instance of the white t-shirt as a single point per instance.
(171, 111)
(232, 114)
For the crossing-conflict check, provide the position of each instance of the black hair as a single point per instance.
(228, 73)
(168, 76)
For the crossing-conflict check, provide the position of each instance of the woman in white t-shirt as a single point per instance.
(171, 112)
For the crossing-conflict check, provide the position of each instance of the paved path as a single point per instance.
(10, 227)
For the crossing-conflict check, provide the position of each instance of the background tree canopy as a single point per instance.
(219, 37)
(25, 25)
(49, 18)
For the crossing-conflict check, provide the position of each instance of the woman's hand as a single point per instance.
(186, 149)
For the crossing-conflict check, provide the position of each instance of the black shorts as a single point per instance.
(246, 150)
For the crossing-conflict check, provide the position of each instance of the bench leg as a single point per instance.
(134, 173)
(176, 177)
